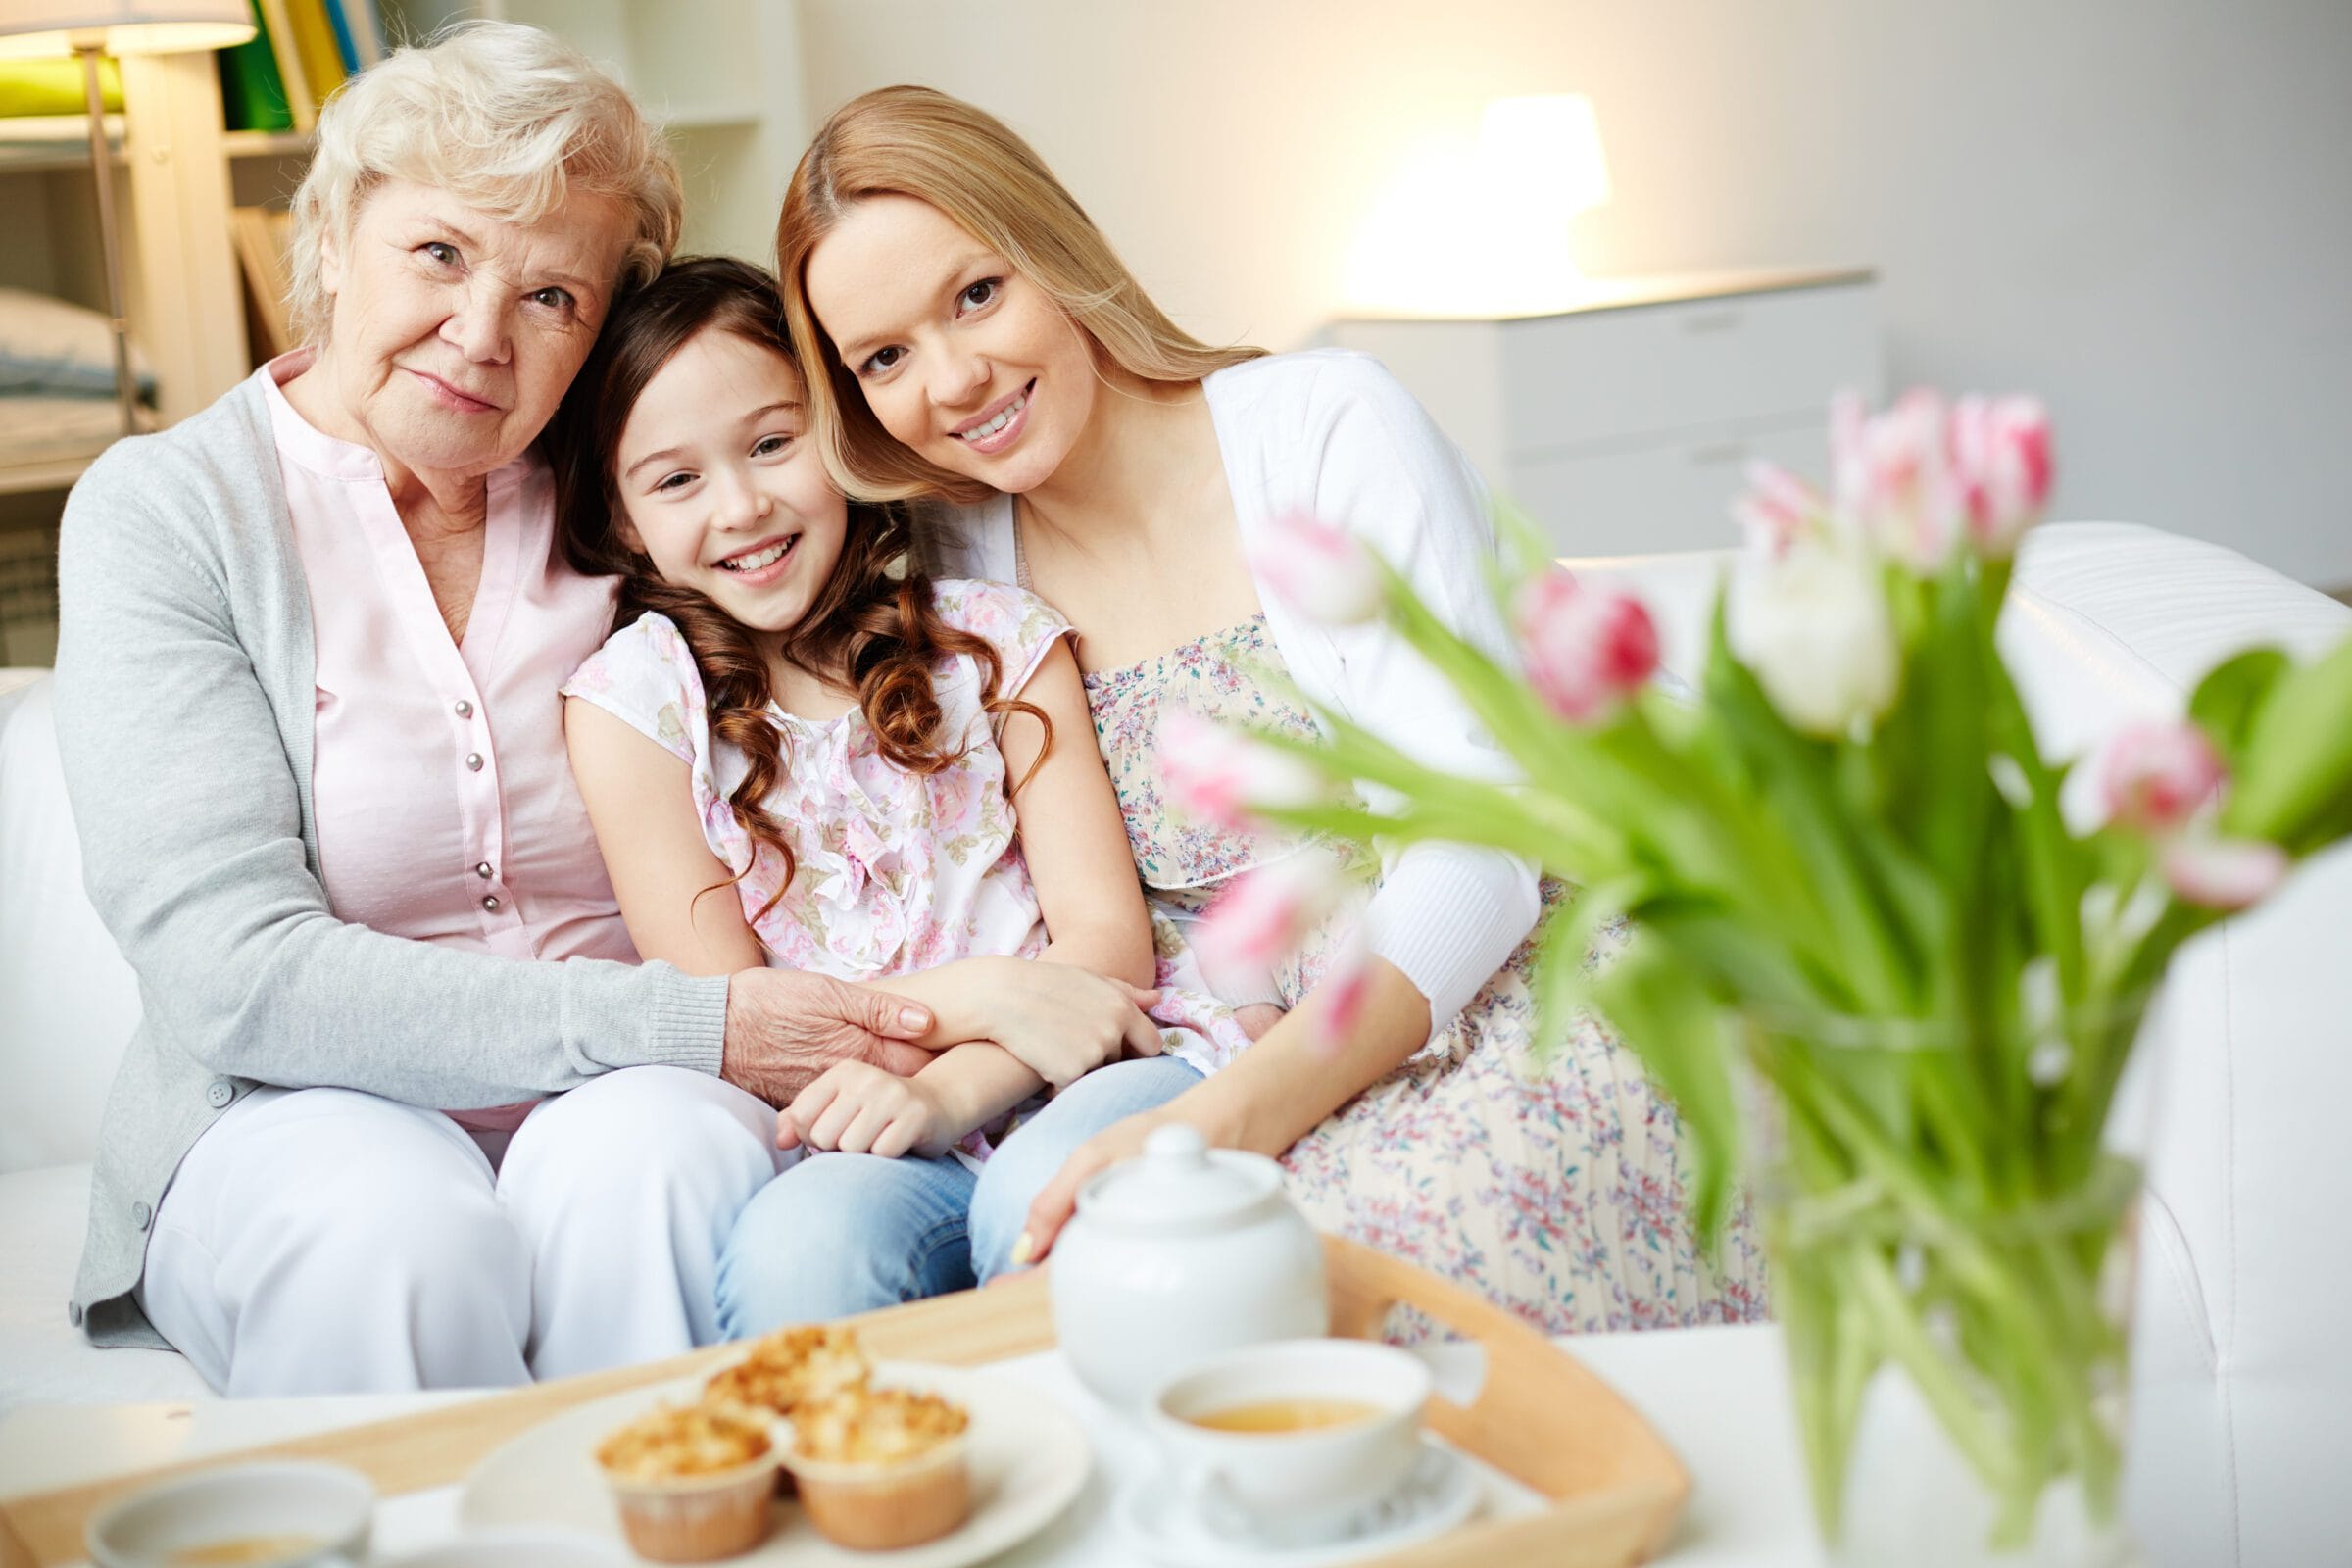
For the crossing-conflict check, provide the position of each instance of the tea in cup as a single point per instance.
(1291, 1441)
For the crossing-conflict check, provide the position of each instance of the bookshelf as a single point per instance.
(723, 76)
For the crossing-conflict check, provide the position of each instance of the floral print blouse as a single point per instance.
(896, 871)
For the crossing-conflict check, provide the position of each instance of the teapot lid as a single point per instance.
(1179, 1183)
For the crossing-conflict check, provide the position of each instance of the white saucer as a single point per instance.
(1443, 1490)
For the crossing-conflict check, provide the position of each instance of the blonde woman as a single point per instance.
(404, 1110)
(974, 342)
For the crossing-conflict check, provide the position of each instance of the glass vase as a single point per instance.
(1951, 1255)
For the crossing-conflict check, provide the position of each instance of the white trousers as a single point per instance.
(322, 1241)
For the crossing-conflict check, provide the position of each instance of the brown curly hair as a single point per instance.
(872, 626)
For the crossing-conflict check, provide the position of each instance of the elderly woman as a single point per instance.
(367, 1136)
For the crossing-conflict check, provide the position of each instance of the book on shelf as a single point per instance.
(253, 95)
(359, 33)
(277, 26)
(315, 40)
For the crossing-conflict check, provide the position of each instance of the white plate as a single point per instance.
(1029, 1460)
(1443, 1490)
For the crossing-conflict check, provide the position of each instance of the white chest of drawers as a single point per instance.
(1622, 425)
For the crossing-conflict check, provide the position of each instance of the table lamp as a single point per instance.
(1481, 227)
(86, 29)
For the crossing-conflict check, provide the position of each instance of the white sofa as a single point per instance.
(2242, 1406)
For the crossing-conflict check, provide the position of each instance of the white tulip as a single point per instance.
(1815, 628)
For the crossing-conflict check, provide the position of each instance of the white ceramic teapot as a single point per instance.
(1176, 1256)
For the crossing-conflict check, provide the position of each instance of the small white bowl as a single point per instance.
(320, 1512)
(520, 1547)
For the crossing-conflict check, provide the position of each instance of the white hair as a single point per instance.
(501, 116)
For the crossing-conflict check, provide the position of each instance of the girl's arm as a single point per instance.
(640, 799)
(1075, 844)
(863, 1110)
(1071, 832)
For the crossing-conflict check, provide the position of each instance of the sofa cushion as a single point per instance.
(68, 1001)
(43, 1358)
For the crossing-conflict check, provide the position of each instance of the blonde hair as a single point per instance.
(503, 117)
(964, 162)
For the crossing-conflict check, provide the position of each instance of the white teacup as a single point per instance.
(1293, 1484)
(289, 1514)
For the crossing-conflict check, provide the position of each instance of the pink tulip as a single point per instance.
(1584, 650)
(1896, 477)
(1777, 509)
(1264, 915)
(2216, 873)
(1345, 988)
(2155, 775)
(2001, 463)
(1321, 571)
(1218, 775)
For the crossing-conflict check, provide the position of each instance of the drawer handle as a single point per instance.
(1715, 457)
(1712, 321)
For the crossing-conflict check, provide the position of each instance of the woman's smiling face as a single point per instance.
(720, 488)
(961, 360)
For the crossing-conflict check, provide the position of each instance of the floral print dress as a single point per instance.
(1557, 1189)
(896, 871)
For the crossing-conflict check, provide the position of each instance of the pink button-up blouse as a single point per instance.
(440, 785)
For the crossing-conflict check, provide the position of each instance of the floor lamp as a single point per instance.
(86, 29)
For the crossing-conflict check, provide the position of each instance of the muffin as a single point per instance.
(881, 1468)
(691, 1483)
(780, 1372)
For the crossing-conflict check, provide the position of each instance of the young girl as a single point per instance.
(797, 749)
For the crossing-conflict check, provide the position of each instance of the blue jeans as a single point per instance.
(839, 1234)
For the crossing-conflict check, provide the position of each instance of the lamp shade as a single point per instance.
(1548, 149)
(37, 28)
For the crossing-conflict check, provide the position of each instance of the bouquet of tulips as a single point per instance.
(1868, 946)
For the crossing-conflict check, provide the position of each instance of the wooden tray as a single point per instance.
(1615, 1489)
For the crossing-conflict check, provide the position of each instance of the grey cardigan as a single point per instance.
(184, 716)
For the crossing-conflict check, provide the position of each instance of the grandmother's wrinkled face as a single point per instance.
(455, 332)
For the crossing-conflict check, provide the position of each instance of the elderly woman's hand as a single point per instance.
(785, 1028)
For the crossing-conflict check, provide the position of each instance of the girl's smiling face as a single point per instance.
(961, 358)
(718, 486)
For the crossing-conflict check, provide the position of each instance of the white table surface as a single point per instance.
(1719, 1395)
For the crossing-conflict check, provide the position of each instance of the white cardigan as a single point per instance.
(1332, 433)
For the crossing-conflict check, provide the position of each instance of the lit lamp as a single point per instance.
(1481, 228)
(86, 29)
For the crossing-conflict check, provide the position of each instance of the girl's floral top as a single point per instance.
(896, 871)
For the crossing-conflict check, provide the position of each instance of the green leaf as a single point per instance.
(2228, 699)
(2297, 765)
(1677, 1030)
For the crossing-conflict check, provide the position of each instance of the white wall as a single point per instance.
(2141, 209)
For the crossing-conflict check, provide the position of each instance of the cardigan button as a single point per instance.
(141, 1215)
(474, 761)
(485, 870)
(464, 708)
(491, 904)
(219, 1092)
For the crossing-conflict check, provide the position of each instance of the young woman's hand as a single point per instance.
(1058, 1020)
(858, 1108)
(1053, 1205)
